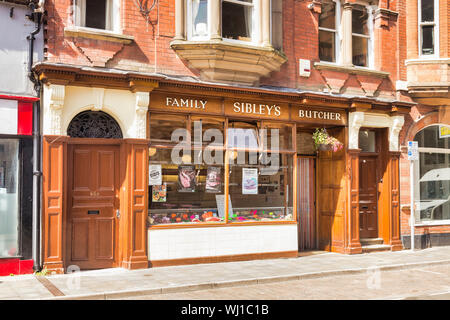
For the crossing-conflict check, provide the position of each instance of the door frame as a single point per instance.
(71, 144)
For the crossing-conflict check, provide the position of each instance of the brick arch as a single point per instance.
(429, 119)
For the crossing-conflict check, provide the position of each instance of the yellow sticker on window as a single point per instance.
(444, 131)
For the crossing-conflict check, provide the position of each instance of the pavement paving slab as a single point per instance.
(118, 282)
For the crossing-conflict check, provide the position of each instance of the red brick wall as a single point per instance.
(150, 52)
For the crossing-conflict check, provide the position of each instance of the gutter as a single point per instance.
(36, 17)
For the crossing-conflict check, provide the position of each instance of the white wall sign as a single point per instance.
(413, 150)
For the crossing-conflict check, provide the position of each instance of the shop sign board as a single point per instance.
(413, 150)
(182, 103)
(257, 109)
(318, 115)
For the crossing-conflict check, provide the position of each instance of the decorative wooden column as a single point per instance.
(353, 244)
(395, 241)
(54, 173)
(134, 204)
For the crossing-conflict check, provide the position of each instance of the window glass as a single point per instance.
(185, 193)
(367, 141)
(208, 130)
(96, 14)
(433, 174)
(327, 18)
(200, 18)
(243, 134)
(162, 127)
(327, 47)
(237, 19)
(359, 20)
(427, 10)
(327, 32)
(9, 209)
(261, 187)
(427, 39)
(277, 136)
(360, 51)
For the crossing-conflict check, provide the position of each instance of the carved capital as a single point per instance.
(356, 119)
(141, 107)
(394, 130)
(57, 93)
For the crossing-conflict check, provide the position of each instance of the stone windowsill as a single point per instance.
(421, 61)
(97, 34)
(351, 69)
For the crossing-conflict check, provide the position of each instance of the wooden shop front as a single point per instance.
(149, 188)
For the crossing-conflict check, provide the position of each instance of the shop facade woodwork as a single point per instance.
(96, 217)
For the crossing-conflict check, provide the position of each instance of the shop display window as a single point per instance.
(185, 193)
(432, 174)
(187, 181)
(261, 186)
(9, 198)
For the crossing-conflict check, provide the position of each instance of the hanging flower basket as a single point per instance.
(324, 142)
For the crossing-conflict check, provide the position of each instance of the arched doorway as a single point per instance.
(93, 190)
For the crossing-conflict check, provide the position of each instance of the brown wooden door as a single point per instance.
(368, 211)
(93, 198)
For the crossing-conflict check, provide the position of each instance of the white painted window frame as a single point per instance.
(435, 24)
(370, 44)
(112, 23)
(338, 34)
(256, 23)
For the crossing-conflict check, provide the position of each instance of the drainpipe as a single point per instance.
(36, 17)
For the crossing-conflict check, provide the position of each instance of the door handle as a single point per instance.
(118, 213)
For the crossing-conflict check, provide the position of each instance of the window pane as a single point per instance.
(367, 141)
(360, 51)
(359, 20)
(200, 18)
(261, 187)
(277, 136)
(434, 187)
(327, 18)
(9, 209)
(429, 138)
(187, 193)
(96, 14)
(327, 50)
(428, 40)
(162, 127)
(209, 130)
(427, 10)
(237, 21)
(243, 134)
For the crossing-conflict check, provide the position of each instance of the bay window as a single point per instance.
(237, 19)
(198, 17)
(428, 27)
(360, 36)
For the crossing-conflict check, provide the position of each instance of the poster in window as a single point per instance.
(213, 180)
(186, 179)
(159, 193)
(249, 181)
(154, 175)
